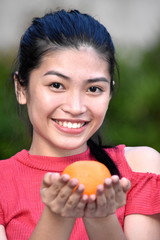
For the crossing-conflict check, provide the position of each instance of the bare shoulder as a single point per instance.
(143, 159)
(2, 233)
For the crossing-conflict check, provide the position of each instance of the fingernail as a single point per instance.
(108, 181)
(65, 177)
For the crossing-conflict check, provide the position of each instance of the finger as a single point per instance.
(91, 206)
(125, 183)
(75, 197)
(81, 206)
(48, 179)
(51, 186)
(120, 196)
(116, 185)
(108, 188)
(58, 182)
(66, 191)
(58, 203)
(76, 203)
(110, 195)
(101, 201)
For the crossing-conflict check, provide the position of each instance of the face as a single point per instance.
(67, 99)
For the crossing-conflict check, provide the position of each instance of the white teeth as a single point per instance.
(69, 124)
(65, 124)
(60, 123)
(75, 125)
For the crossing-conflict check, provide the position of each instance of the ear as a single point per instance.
(20, 90)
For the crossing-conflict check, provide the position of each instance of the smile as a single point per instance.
(70, 124)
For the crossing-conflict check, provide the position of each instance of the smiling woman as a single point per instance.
(65, 75)
(57, 98)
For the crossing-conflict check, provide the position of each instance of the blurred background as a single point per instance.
(134, 114)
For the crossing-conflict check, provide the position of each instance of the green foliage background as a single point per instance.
(133, 117)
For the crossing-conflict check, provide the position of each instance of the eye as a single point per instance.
(95, 89)
(56, 85)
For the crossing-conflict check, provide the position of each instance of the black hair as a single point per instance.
(60, 30)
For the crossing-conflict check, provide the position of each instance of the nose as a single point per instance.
(74, 104)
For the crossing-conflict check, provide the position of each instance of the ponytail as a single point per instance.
(101, 155)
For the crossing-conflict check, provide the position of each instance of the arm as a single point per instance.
(2, 233)
(52, 226)
(136, 226)
(143, 159)
(100, 219)
(104, 228)
(142, 227)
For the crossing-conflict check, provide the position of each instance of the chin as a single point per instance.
(74, 147)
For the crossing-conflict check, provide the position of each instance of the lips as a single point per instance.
(68, 124)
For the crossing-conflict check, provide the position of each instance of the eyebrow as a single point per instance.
(92, 80)
(99, 79)
(56, 74)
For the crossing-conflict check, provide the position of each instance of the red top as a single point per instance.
(21, 178)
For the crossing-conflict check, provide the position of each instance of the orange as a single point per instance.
(89, 173)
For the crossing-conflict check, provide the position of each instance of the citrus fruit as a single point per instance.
(89, 173)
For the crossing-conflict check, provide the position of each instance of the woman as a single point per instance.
(65, 76)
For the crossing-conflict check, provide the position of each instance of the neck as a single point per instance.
(43, 149)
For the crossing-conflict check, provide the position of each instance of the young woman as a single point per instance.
(65, 76)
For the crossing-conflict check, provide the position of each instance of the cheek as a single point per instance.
(101, 107)
(39, 99)
(38, 106)
(99, 116)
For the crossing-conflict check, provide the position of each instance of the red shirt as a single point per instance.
(21, 178)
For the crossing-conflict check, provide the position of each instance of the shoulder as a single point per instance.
(9, 163)
(143, 159)
(2, 233)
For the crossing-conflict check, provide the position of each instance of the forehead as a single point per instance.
(84, 59)
(81, 52)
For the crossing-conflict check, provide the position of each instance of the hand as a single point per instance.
(109, 197)
(58, 195)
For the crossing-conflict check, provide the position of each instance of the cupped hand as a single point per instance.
(58, 195)
(109, 197)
